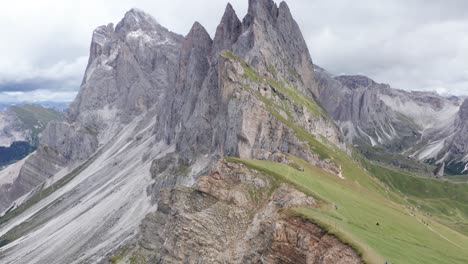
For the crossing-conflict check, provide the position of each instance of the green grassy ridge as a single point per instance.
(400, 236)
(279, 85)
(445, 201)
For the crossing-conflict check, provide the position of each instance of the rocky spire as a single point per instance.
(272, 39)
(194, 54)
(194, 64)
(228, 30)
(136, 19)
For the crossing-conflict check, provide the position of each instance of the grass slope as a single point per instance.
(401, 235)
(385, 214)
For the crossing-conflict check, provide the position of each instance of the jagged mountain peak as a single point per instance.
(271, 38)
(135, 19)
(197, 37)
(228, 31)
(198, 30)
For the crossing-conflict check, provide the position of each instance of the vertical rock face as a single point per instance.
(129, 70)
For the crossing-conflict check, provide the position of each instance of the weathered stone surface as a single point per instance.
(210, 111)
(230, 217)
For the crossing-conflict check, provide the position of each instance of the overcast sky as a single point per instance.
(409, 44)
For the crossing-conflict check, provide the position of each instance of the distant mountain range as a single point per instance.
(395, 126)
(20, 129)
(58, 106)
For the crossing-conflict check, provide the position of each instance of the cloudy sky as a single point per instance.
(410, 44)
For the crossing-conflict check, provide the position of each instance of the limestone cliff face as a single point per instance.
(235, 215)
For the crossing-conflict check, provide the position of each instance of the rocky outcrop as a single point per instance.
(246, 93)
(211, 112)
(355, 103)
(235, 215)
(440, 170)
